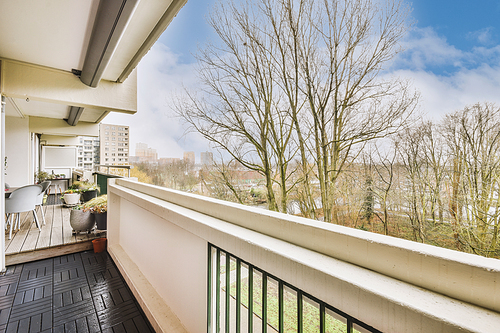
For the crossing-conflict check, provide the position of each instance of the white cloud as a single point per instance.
(160, 76)
(445, 94)
(424, 47)
(483, 36)
(448, 78)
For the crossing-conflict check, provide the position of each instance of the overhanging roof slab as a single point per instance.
(51, 126)
(20, 80)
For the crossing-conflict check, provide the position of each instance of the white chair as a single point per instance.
(39, 198)
(21, 200)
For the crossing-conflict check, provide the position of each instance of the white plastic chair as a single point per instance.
(39, 198)
(21, 200)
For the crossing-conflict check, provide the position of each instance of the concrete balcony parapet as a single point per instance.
(392, 284)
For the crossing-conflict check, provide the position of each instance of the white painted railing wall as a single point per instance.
(159, 239)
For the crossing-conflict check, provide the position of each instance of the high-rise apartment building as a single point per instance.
(88, 152)
(189, 157)
(145, 154)
(206, 158)
(114, 144)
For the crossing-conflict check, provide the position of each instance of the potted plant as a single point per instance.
(81, 220)
(41, 176)
(71, 197)
(99, 208)
(88, 190)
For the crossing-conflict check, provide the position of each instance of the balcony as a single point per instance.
(179, 253)
(173, 249)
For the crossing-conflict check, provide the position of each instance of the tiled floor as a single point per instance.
(82, 292)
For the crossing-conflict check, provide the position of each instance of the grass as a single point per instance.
(310, 309)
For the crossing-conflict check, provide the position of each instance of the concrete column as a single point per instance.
(2, 185)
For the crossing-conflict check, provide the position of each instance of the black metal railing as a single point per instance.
(245, 298)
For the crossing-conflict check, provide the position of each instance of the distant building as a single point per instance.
(114, 144)
(88, 152)
(145, 154)
(189, 157)
(168, 160)
(206, 158)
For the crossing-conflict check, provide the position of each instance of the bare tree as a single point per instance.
(342, 53)
(300, 78)
(473, 137)
(384, 165)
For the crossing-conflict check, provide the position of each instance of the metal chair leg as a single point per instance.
(43, 214)
(18, 223)
(36, 220)
(7, 220)
(11, 226)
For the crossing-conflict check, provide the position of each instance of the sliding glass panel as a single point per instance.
(257, 301)
(272, 305)
(334, 323)
(310, 315)
(232, 299)
(290, 310)
(244, 298)
(222, 293)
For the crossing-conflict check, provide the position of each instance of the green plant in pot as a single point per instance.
(88, 190)
(41, 176)
(99, 207)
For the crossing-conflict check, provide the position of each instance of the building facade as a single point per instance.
(145, 154)
(114, 144)
(206, 158)
(189, 157)
(88, 152)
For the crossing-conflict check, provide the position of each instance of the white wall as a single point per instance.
(17, 151)
(172, 259)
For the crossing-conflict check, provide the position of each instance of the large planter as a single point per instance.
(81, 221)
(101, 221)
(72, 199)
(87, 195)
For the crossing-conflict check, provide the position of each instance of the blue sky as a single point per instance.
(452, 57)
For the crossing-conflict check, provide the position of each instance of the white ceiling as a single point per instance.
(51, 33)
(56, 33)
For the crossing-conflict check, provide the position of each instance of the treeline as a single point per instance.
(178, 175)
(432, 182)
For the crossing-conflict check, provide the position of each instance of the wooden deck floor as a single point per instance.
(55, 238)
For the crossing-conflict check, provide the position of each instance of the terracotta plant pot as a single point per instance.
(101, 221)
(81, 221)
(99, 245)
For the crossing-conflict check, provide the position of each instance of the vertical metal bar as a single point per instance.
(209, 294)
(322, 327)
(238, 295)
(250, 298)
(264, 302)
(349, 325)
(217, 294)
(300, 312)
(228, 291)
(281, 307)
